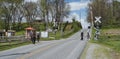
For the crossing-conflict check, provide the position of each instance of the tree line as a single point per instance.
(14, 12)
(109, 10)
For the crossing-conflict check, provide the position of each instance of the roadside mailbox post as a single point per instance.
(97, 27)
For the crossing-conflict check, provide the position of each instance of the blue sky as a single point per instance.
(78, 10)
(78, 7)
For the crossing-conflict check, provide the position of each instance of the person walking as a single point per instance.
(88, 36)
(31, 36)
(38, 36)
(88, 33)
(34, 37)
(82, 35)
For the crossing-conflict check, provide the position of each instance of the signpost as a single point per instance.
(44, 34)
(97, 19)
(97, 27)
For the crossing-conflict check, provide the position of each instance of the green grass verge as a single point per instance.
(112, 41)
(68, 34)
(10, 46)
(20, 33)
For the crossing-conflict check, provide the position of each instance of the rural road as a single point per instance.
(69, 48)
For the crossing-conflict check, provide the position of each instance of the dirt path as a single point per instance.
(90, 51)
(96, 51)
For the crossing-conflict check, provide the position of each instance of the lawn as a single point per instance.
(20, 32)
(110, 38)
(5, 46)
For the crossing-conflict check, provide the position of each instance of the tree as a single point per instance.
(101, 8)
(61, 10)
(30, 12)
(1, 24)
(8, 8)
(75, 25)
(44, 8)
(116, 10)
(54, 9)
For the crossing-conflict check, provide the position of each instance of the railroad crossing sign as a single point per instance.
(98, 19)
(97, 23)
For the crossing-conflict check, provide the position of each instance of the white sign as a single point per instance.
(9, 34)
(44, 34)
(97, 19)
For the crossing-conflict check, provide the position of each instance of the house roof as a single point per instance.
(29, 28)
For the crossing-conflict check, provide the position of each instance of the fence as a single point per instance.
(4, 39)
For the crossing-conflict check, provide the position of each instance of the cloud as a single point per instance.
(31, 0)
(71, 16)
(83, 22)
(78, 5)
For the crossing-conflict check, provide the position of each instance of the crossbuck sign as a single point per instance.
(98, 22)
(97, 19)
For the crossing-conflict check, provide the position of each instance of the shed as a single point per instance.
(28, 31)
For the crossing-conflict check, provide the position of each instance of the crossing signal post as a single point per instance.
(97, 25)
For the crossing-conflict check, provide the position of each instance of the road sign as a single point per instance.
(44, 34)
(98, 19)
(97, 27)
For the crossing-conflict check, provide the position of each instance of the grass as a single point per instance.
(68, 34)
(101, 52)
(98, 52)
(112, 39)
(7, 46)
(20, 33)
(114, 44)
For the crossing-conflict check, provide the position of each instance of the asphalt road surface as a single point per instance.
(69, 48)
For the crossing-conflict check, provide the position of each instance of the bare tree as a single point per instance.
(54, 9)
(30, 12)
(8, 11)
(101, 8)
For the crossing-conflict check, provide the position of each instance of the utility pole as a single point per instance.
(91, 16)
(91, 13)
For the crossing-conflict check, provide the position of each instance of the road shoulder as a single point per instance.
(97, 51)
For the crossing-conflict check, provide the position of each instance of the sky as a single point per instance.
(78, 9)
